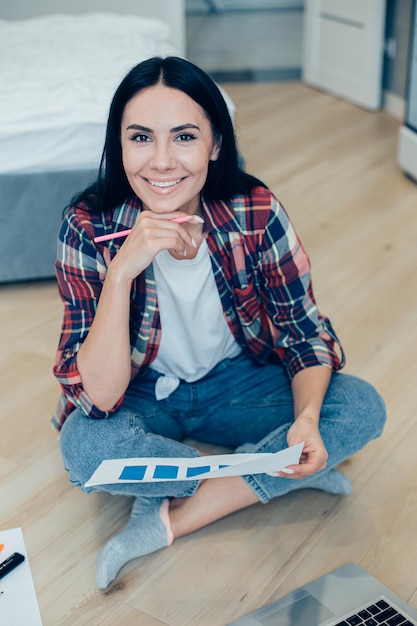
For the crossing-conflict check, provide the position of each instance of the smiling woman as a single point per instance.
(200, 323)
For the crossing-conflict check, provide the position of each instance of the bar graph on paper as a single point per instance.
(156, 469)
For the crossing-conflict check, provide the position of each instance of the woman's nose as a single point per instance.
(162, 158)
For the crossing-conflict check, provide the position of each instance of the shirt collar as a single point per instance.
(126, 214)
(219, 215)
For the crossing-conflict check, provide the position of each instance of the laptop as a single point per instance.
(347, 596)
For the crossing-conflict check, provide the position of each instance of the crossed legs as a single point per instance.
(353, 414)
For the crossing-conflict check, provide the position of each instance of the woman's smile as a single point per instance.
(164, 183)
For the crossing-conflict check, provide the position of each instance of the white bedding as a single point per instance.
(57, 77)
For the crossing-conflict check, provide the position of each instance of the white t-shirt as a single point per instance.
(195, 335)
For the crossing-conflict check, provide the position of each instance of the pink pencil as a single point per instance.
(124, 233)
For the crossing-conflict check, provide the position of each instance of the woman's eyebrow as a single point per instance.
(176, 129)
(138, 127)
(184, 127)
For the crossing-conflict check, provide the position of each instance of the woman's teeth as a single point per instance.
(167, 183)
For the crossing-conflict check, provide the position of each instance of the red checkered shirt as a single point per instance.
(260, 268)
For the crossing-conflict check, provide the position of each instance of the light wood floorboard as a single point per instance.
(333, 167)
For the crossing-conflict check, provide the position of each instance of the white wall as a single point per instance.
(170, 11)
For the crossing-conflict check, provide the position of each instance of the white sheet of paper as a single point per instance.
(155, 469)
(18, 602)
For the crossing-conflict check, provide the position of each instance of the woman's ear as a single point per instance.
(214, 155)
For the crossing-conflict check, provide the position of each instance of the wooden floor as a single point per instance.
(333, 167)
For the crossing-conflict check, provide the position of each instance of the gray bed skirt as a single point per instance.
(31, 206)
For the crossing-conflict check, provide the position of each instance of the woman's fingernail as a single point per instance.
(198, 218)
(286, 470)
(193, 242)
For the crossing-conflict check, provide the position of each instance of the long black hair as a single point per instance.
(224, 179)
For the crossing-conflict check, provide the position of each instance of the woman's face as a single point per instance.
(167, 143)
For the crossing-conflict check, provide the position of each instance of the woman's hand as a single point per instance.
(309, 387)
(314, 455)
(151, 234)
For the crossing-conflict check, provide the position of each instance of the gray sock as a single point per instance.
(331, 481)
(147, 530)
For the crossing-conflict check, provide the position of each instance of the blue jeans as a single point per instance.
(239, 402)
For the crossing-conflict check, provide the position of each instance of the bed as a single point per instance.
(57, 76)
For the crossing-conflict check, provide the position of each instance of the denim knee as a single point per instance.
(77, 442)
(352, 415)
(85, 443)
(367, 403)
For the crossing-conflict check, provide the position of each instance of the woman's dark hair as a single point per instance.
(225, 178)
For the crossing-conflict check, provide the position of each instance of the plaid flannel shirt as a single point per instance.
(260, 268)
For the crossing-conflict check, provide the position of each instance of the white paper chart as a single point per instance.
(156, 469)
(18, 602)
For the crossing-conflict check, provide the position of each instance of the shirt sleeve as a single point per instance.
(80, 270)
(301, 335)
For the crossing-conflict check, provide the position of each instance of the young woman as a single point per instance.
(200, 322)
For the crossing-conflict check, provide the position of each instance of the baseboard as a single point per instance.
(284, 74)
(393, 104)
(202, 7)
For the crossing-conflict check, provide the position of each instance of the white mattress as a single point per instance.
(58, 74)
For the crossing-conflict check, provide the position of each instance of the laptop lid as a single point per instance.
(329, 599)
